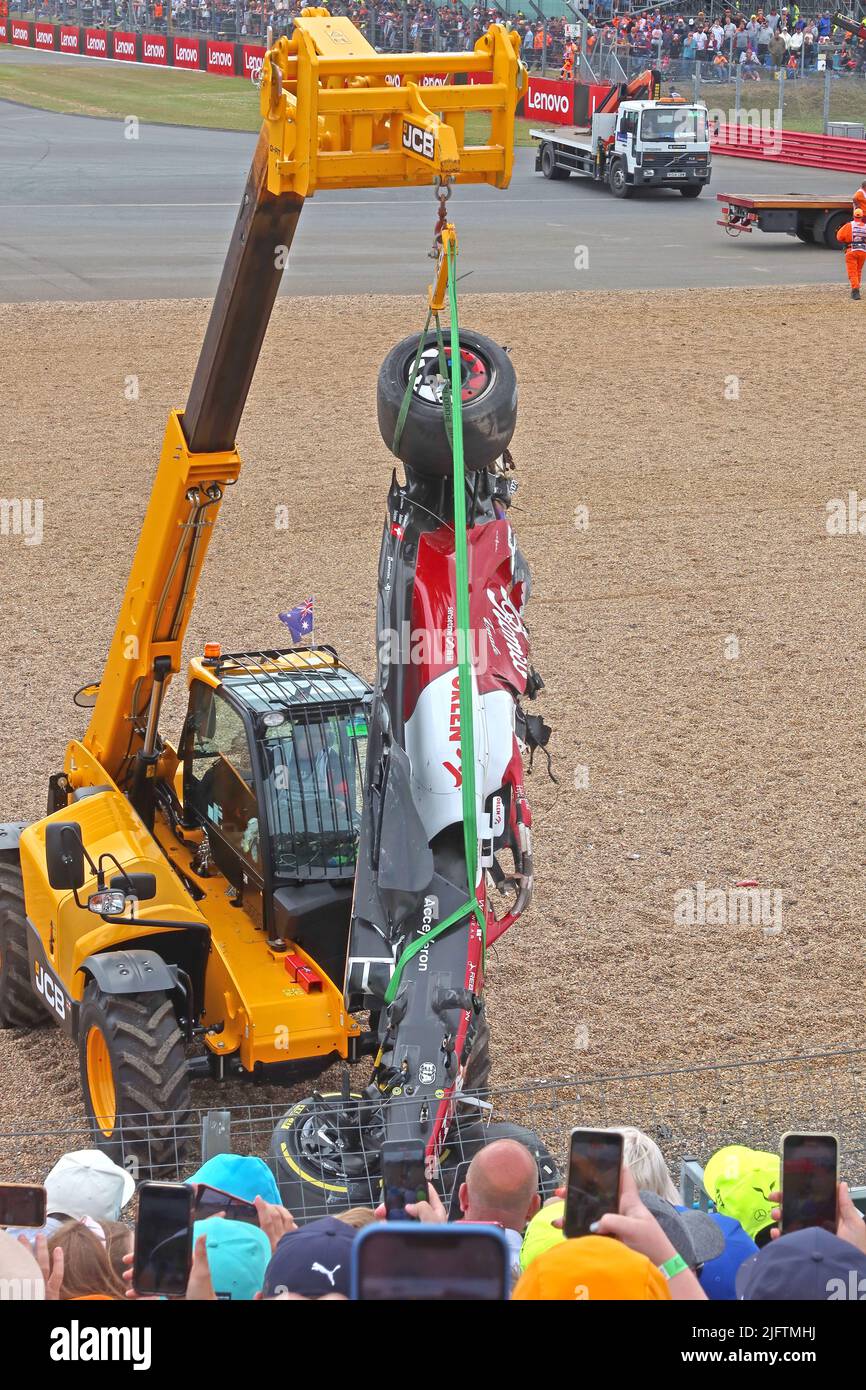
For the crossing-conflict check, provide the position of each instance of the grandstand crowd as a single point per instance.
(652, 1248)
(761, 40)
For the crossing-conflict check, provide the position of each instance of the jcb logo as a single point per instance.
(51, 993)
(418, 140)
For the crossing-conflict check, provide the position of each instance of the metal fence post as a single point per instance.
(738, 85)
(826, 112)
(781, 107)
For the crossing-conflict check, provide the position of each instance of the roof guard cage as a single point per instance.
(341, 115)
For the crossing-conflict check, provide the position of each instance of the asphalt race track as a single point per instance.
(86, 214)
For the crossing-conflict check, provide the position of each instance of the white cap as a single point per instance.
(88, 1183)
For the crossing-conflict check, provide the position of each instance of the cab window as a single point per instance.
(218, 774)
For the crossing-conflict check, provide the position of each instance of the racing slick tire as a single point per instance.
(489, 403)
(317, 1173)
(467, 1138)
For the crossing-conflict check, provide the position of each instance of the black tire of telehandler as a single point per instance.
(488, 418)
(150, 1129)
(617, 181)
(19, 1006)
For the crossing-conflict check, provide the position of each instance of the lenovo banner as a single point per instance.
(154, 49)
(43, 35)
(96, 43)
(123, 46)
(185, 53)
(20, 32)
(70, 39)
(252, 57)
(4, 30)
(551, 101)
(221, 57)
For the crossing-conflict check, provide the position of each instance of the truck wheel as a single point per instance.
(549, 167)
(135, 1079)
(691, 190)
(827, 226)
(805, 232)
(617, 180)
(19, 1007)
(489, 403)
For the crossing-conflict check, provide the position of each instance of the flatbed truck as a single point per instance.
(814, 220)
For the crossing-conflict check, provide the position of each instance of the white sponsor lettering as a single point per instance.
(95, 43)
(185, 55)
(45, 36)
(19, 31)
(218, 59)
(154, 48)
(125, 46)
(69, 41)
(547, 101)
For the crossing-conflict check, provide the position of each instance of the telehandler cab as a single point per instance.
(187, 908)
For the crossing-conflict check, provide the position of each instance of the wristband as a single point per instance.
(674, 1266)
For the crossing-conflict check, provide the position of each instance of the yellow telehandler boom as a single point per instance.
(330, 120)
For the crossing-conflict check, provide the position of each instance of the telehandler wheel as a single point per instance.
(616, 179)
(489, 388)
(19, 1007)
(135, 1079)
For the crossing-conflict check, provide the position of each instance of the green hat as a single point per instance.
(739, 1180)
(541, 1234)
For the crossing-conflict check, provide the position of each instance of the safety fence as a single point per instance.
(790, 147)
(319, 1145)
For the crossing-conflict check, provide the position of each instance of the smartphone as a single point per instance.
(404, 1176)
(810, 1178)
(163, 1238)
(22, 1204)
(594, 1174)
(413, 1262)
(454, 1211)
(212, 1201)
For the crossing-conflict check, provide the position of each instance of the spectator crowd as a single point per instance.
(769, 40)
(651, 1248)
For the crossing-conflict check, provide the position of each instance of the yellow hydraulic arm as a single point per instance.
(336, 114)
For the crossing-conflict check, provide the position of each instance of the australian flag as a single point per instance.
(299, 620)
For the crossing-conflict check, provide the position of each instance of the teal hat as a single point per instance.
(241, 1175)
(238, 1255)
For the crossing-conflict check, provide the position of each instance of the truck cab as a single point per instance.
(654, 144)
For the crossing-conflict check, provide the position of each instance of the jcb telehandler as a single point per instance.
(197, 898)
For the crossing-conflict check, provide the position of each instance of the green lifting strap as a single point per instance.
(464, 666)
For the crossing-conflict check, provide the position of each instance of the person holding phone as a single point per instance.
(634, 1226)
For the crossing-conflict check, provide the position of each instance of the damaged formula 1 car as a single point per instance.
(420, 978)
